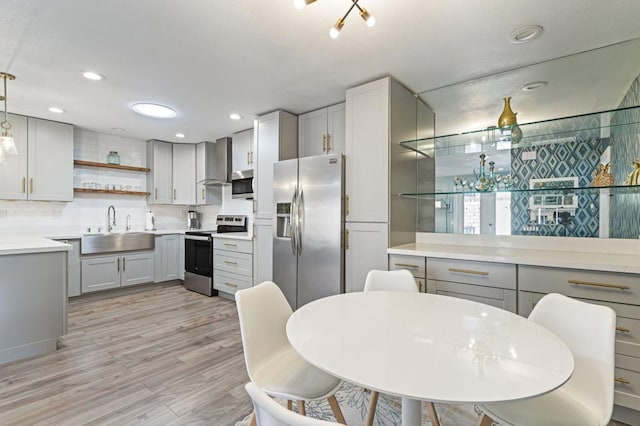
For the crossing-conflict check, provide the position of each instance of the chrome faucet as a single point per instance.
(111, 224)
(128, 227)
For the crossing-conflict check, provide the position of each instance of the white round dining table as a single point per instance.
(427, 347)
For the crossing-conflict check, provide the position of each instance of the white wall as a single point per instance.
(90, 210)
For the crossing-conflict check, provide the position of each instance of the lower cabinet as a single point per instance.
(365, 249)
(263, 252)
(232, 264)
(169, 257)
(414, 264)
(107, 272)
(73, 268)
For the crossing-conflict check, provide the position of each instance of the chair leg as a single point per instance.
(253, 420)
(371, 411)
(289, 405)
(301, 409)
(485, 421)
(337, 412)
(431, 409)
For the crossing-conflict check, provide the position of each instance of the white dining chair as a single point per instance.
(587, 397)
(271, 361)
(269, 413)
(400, 280)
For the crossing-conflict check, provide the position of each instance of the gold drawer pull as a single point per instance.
(622, 329)
(407, 265)
(587, 283)
(468, 271)
(231, 285)
(228, 262)
(230, 245)
(623, 381)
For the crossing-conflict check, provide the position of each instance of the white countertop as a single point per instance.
(27, 244)
(597, 261)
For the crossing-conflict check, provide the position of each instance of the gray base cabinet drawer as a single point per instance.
(234, 262)
(594, 285)
(627, 386)
(241, 246)
(422, 285)
(500, 298)
(501, 275)
(413, 264)
(229, 282)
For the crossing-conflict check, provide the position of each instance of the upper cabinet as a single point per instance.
(159, 182)
(242, 148)
(275, 140)
(322, 131)
(43, 169)
(184, 174)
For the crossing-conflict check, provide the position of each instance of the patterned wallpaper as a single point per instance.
(625, 147)
(579, 158)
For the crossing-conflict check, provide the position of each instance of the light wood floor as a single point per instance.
(160, 356)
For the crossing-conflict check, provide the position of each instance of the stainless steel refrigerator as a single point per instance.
(308, 255)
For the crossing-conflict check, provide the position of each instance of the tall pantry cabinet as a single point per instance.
(379, 115)
(275, 139)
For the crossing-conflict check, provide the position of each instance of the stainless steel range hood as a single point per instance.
(217, 162)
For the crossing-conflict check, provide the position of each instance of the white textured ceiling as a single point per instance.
(208, 58)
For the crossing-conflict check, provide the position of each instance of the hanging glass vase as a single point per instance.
(113, 158)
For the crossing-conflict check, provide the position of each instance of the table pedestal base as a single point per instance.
(411, 412)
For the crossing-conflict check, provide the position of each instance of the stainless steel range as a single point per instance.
(198, 253)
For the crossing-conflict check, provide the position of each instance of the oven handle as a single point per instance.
(195, 237)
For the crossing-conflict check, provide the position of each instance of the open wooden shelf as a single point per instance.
(110, 191)
(110, 166)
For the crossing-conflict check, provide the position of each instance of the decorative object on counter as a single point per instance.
(507, 181)
(458, 181)
(602, 176)
(150, 221)
(508, 123)
(113, 158)
(492, 178)
(335, 30)
(482, 183)
(634, 176)
(7, 145)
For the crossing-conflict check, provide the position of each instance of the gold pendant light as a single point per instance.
(7, 144)
(335, 30)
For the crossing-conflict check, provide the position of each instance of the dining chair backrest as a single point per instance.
(263, 312)
(400, 280)
(269, 413)
(589, 331)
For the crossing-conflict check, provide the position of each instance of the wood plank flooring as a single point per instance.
(164, 355)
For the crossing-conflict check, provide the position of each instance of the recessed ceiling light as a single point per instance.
(91, 75)
(154, 110)
(525, 34)
(117, 129)
(534, 86)
(56, 110)
(235, 116)
(180, 135)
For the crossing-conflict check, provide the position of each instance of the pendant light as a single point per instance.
(7, 144)
(369, 19)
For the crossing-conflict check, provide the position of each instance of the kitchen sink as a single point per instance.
(116, 241)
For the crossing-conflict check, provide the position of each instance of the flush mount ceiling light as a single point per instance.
(525, 34)
(154, 110)
(236, 116)
(117, 129)
(7, 144)
(92, 75)
(335, 30)
(534, 86)
(56, 110)
(180, 135)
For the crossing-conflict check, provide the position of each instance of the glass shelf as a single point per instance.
(616, 189)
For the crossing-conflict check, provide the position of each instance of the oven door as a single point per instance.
(198, 255)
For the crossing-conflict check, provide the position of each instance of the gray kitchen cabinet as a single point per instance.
(181, 258)
(184, 174)
(619, 291)
(43, 169)
(108, 272)
(322, 131)
(73, 268)
(486, 282)
(167, 257)
(262, 251)
(414, 264)
(365, 249)
(242, 151)
(159, 179)
(232, 264)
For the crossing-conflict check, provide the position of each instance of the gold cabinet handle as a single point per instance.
(230, 245)
(203, 192)
(248, 159)
(324, 143)
(124, 264)
(228, 262)
(156, 191)
(118, 265)
(346, 205)
(468, 271)
(251, 157)
(622, 329)
(601, 285)
(231, 285)
(328, 143)
(346, 240)
(174, 193)
(24, 185)
(407, 265)
(622, 380)
(31, 185)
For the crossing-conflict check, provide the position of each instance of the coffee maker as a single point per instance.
(193, 220)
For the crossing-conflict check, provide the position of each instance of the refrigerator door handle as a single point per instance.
(300, 218)
(292, 222)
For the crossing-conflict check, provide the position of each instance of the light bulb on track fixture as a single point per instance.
(7, 145)
(300, 4)
(334, 32)
(368, 18)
